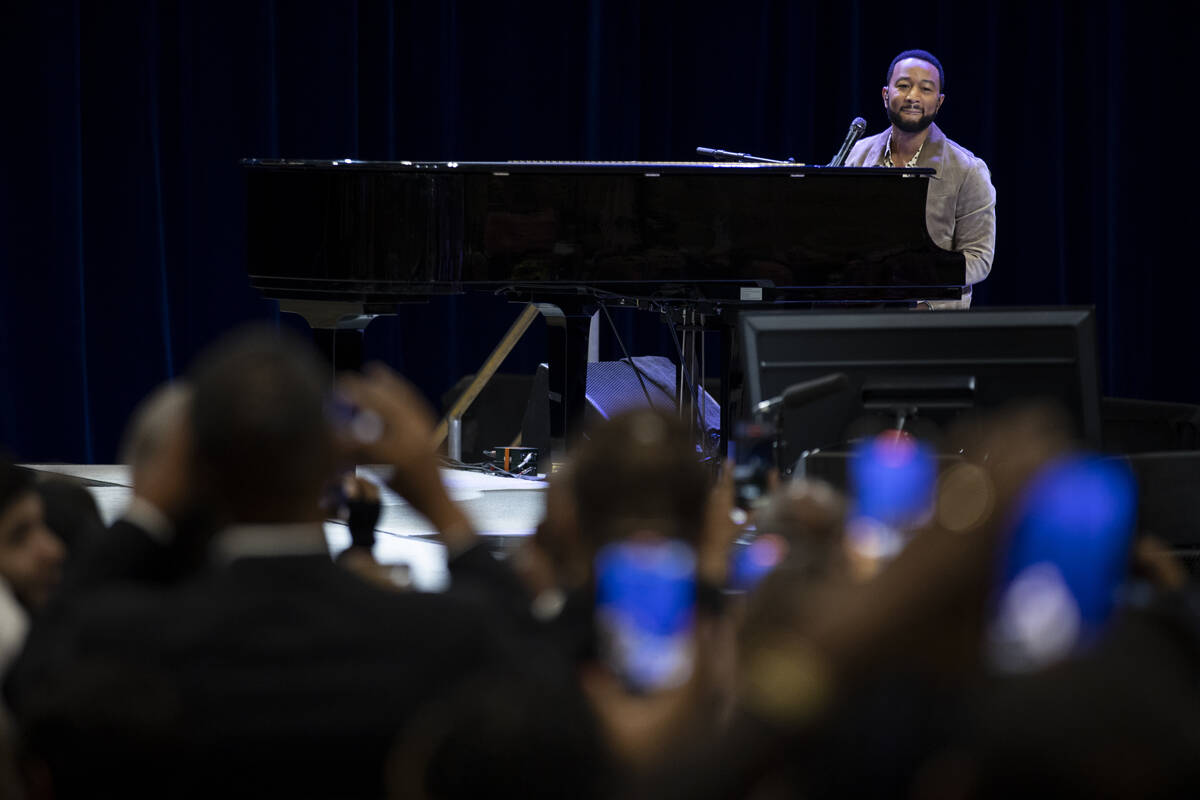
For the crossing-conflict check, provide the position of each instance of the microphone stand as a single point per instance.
(726, 155)
(796, 396)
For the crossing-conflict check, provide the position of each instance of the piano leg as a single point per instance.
(342, 348)
(337, 329)
(567, 327)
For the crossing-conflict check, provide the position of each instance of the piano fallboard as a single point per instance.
(383, 232)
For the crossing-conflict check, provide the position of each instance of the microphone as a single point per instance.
(800, 393)
(853, 135)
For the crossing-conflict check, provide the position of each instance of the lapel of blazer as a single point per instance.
(875, 147)
(933, 154)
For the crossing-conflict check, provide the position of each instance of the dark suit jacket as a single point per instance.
(129, 554)
(280, 676)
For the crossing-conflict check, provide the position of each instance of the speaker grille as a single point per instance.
(613, 387)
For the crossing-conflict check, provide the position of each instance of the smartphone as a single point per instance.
(892, 480)
(645, 611)
(754, 458)
(1065, 562)
(360, 424)
(753, 560)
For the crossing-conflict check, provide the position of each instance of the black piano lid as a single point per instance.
(372, 231)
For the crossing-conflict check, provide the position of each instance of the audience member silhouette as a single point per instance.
(31, 558)
(275, 671)
(207, 644)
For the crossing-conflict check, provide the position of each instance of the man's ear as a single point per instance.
(941, 99)
(885, 95)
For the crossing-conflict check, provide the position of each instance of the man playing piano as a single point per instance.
(960, 210)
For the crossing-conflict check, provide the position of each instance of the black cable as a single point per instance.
(625, 352)
(656, 302)
(485, 468)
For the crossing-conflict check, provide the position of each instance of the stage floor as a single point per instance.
(503, 509)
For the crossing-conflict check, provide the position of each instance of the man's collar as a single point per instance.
(259, 541)
(888, 161)
(932, 151)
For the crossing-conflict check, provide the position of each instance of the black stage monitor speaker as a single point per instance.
(512, 405)
(509, 406)
(939, 363)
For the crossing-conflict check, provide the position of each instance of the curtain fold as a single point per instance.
(122, 235)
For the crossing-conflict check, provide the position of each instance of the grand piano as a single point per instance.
(340, 242)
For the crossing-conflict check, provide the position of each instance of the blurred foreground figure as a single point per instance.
(270, 671)
(71, 514)
(31, 557)
(888, 687)
(627, 570)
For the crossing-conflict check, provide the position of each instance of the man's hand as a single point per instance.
(720, 532)
(361, 500)
(1153, 560)
(555, 557)
(406, 434)
(405, 441)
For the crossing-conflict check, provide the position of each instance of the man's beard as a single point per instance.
(909, 125)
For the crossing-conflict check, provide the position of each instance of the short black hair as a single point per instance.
(262, 437)
(639, 468)
(924, 55)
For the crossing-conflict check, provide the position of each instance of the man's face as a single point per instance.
(31, 555)
(913, 95)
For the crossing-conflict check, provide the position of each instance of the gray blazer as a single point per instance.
(960, 210)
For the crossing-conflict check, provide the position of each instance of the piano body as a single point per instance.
(342, 241)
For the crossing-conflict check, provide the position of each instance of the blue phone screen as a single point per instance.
(1066, 560)
(892, 481)
(645, 606)
(751, 562)
(893, 478)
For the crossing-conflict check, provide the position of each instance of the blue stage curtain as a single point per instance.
(122, 209)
